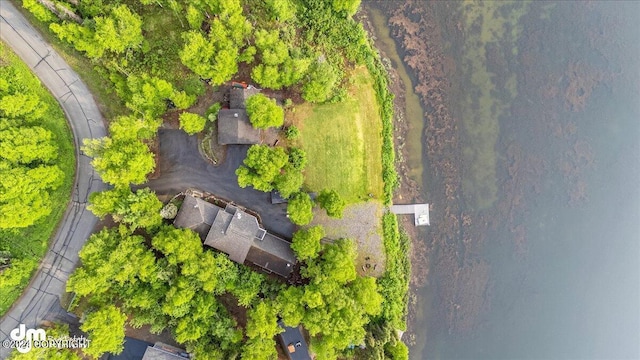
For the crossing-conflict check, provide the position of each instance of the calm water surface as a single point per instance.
(559, 82)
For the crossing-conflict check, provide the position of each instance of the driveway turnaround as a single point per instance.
(41, 299)
(181, 166)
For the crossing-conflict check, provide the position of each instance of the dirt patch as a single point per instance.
(360, 222)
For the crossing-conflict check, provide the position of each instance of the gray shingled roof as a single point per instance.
(237, 234)
(233, 232)
(197, 215)
(163, 352)
(234, 128)
(239, 96)
(273, 254)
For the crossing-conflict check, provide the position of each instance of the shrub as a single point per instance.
(212, 112)
(192, 123)
(292, 132)
(297, 158)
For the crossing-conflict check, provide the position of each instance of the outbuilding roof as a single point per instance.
(234, 127)
(239, 96)
(293, 343)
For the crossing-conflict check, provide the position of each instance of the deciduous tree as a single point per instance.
(261, 167)
(121, 30)
(24, 145)
(120, 162)
(297, 158)
(300, 208)
(106, 331)
(138, 210)
(321, 83)
(306, 242)
(132, 127)
(289, 181)
(331, 202)
(192, 123)
(24, 194)
(264, 112)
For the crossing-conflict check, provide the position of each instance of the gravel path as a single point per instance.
(362, 223)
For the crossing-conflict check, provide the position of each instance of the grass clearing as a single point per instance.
(343, 141)
(26, 246)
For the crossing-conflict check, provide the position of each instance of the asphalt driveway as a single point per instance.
(181, 167)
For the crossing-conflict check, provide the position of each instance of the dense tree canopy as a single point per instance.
(131, 127)
(264, 112)
(348, 6)
(106, 331)
(280, 66)
(26, 145)
(121, 30)
(28, 153)
(120, 162)
(215, 57)
(262, 327)
(24, 194)
(321, 84)
(289, 181)
(138, 210)
(339, 303)
(117, 32)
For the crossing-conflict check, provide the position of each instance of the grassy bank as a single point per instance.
(26, 246)
(342, 141)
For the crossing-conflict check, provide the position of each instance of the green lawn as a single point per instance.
(27, 246)
(343, 141)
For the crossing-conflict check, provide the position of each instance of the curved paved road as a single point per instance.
(42, 298)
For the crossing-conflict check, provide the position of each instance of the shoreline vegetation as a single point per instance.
(336, 50)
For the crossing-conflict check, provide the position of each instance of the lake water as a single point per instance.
(548, 100)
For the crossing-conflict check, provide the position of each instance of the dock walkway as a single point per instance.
(420, 212)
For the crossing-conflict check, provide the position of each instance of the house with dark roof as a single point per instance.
(234, 127)
(197, 215)
(237, 234)
(233, 232)
(135, 349)
(161, 351)
(293, 343)
(238, 96)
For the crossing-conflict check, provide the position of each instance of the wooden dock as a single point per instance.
(420, 212)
